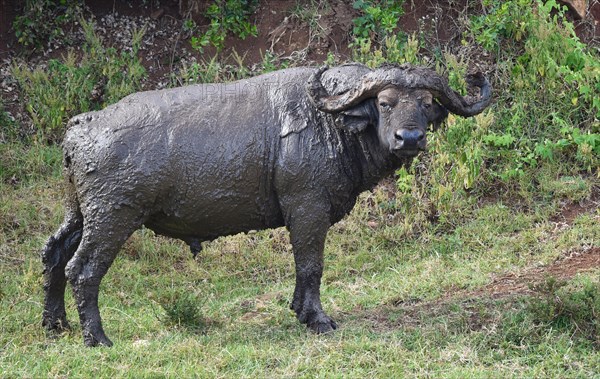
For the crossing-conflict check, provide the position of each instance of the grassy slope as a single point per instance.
(242, 285)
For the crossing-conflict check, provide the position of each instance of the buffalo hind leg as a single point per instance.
(58, 251)
(308, 229)
(99, 246)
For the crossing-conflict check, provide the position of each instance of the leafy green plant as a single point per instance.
(226, 16)
(211, 71)
(404, 180)
(40, 21)
(376, 39)
(501, 21)
(393, 50)
(542, 117)
(378, 20)
(552, 111)
(78, 84)
(270, 62)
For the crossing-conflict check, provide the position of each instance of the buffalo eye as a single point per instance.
(425, 102)
(384, 105)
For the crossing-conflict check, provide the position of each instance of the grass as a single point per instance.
(378, 283)
(407, 272)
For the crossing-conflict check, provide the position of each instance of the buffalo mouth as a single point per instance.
(406, 153)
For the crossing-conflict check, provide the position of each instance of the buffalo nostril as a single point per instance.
(409, 138)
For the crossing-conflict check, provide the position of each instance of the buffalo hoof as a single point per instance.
(318, 322)
(325, 326)
(99, 339)
(55, 324)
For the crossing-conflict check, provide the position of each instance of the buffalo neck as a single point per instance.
(372, 160)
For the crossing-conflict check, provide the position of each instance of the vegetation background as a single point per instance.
(481, 259)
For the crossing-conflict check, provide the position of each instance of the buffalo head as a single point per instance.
(401, 101)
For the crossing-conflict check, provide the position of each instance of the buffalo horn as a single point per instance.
(402, 76)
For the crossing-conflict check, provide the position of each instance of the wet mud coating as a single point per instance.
(290, 148)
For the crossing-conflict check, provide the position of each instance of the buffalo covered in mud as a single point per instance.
(290, 148)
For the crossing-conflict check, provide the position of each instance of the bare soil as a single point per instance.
(563, 268)
(510, 286)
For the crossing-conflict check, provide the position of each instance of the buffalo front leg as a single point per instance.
(308, 229)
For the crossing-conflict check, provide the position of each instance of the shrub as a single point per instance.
(549, 108)
(543, 124)
(378, 19)
(226, 16)
(576, 309)
(75, 84)
(376, 38)
(183, 310)
(42, 21)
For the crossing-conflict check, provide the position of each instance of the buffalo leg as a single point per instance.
(99, 246)
(308, 229)
(58, 251)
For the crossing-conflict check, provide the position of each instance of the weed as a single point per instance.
(77, 84)
(10, 128)
(331, 60)
(551, 113)
(501, 21)
(394, 50)
(226, 16)
(575, 310)
(42, 20)
(376, 38)
(543, 116)
(193, 73)
(378, 20)
(183, 310)
(211, 71)
(310, 13)
(270, 62)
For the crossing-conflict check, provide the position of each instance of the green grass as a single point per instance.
(385, 285)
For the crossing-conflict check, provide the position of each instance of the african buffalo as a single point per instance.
(293, 147)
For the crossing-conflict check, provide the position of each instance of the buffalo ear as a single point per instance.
(436, 114)
(358, 118)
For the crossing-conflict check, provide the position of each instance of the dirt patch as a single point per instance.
(475, 309)
(562, 268)
(257, 309)
(439, 22)
(302, 35)
(571, 210)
